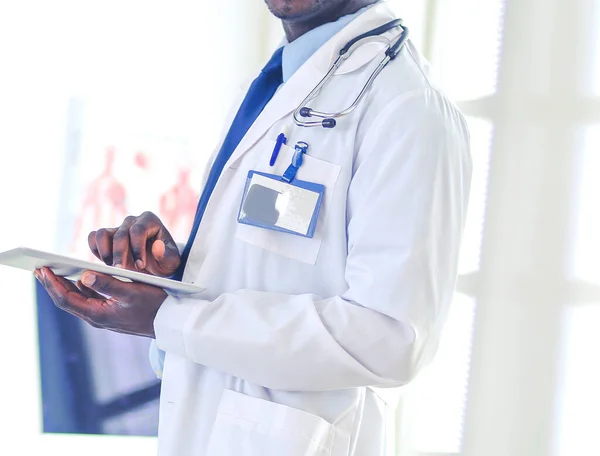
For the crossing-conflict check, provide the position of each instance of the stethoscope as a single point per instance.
(391, 53)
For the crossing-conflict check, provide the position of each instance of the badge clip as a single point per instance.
(290, 173)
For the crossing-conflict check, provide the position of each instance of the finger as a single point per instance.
(120, 243)
(47, 274)
(109, 286)
(40, 277)
(93, 246)
(67, 297)
(104, 237)
(145, 228)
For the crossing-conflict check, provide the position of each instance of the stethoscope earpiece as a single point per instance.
(326, 123)
(305, 112)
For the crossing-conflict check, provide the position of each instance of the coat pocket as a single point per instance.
(248, 426)
(291, 246)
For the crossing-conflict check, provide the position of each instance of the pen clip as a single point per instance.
(281, 139)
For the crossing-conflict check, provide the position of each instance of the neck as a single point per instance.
(296, 28)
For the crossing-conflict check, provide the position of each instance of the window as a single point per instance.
(579, 396)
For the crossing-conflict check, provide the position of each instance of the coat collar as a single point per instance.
(291, 94)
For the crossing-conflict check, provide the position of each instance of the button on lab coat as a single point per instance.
(297, 343)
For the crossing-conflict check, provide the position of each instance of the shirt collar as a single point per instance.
(296, 53)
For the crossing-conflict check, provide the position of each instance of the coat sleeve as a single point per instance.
(405, 212)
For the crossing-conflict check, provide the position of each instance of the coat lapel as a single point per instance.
(291, 94)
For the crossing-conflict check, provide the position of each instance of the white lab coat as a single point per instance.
(283, 353)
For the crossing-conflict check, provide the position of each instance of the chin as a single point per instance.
(295, 9)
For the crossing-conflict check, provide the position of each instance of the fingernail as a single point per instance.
(139, 264)
(118, 265)
(88, 279)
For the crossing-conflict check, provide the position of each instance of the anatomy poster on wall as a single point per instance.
(96, 381)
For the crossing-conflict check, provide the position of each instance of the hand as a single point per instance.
(130, 309)
(139, 244)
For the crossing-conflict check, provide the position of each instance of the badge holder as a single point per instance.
(282, 203)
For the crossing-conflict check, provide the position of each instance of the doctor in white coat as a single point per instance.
(297, 342)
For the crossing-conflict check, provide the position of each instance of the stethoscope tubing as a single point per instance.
(303, 111)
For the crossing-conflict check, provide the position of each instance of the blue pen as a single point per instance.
(281, 139)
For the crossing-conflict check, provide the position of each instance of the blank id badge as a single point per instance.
(271, 203)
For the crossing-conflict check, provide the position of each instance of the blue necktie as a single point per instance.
(260, 92)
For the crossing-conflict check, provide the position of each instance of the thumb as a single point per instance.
(166, 255)
(107, 285)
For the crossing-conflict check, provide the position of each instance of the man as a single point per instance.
(287, 350)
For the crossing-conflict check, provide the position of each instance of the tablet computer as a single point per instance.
(72, 268)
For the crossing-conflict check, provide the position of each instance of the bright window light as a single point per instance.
(586, 220)
(467, 47)
(595, 74)
(481, 139)
(579, 405)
